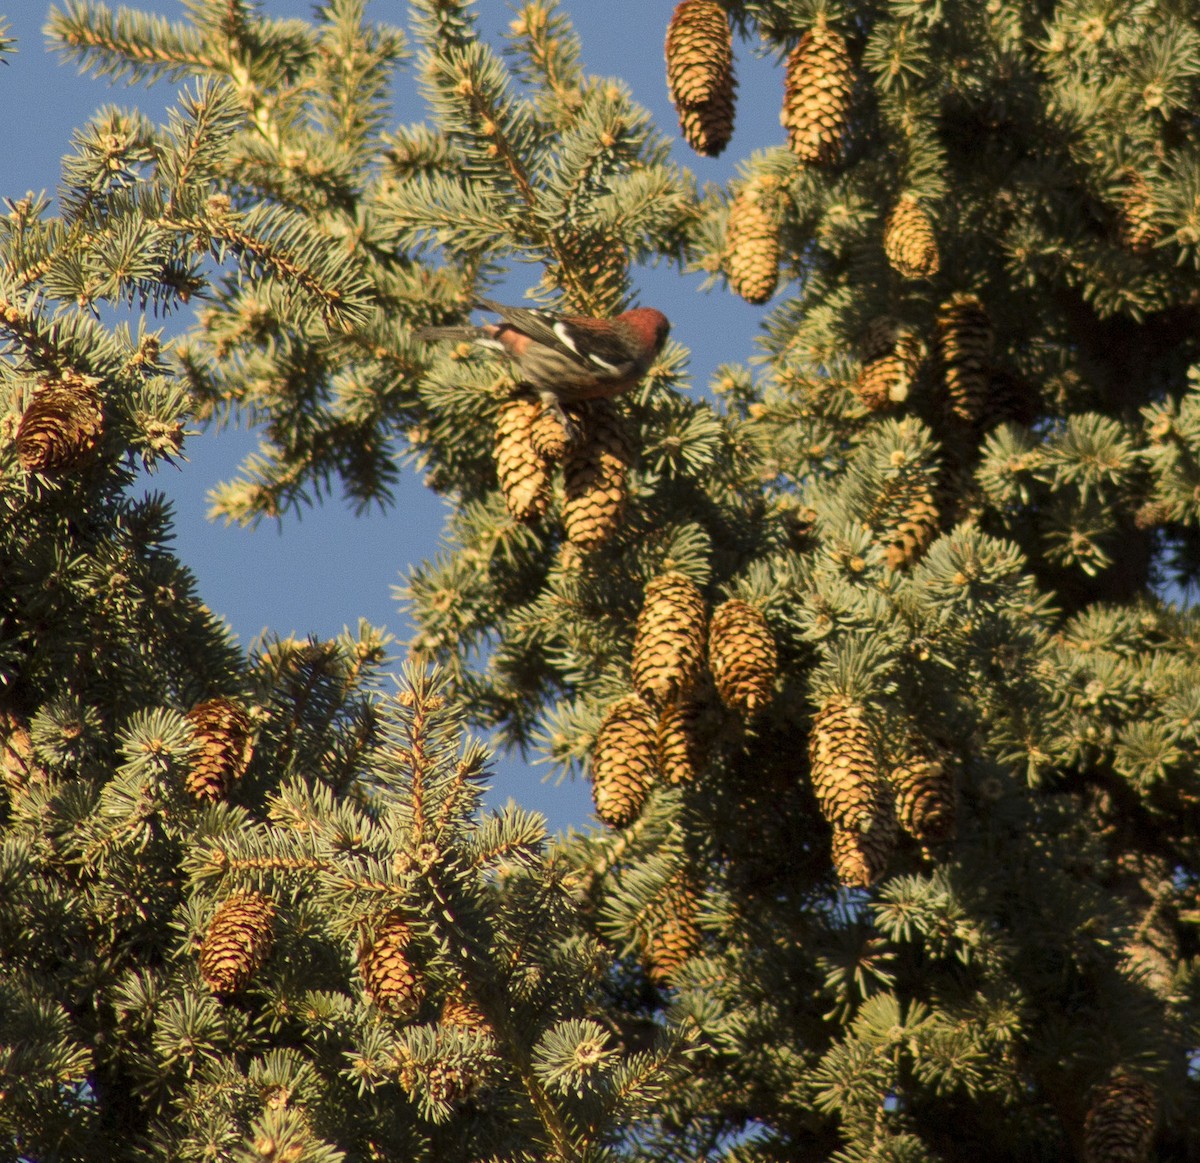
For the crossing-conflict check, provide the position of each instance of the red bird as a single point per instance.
(567, 358)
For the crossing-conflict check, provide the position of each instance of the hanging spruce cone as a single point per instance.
(522, 470)
(924, 787)
(1121, 1120)
(1138, 229)
(238, 940)
(675, 938)
(678, 743)
(18, 765)
(389, 979)
(222, 731)
(752, 240)
(668, 648)
(459, 1009)
(842, 765)
(61, 427)
(891, 359)
(816, 102)
(623, 761)
(965, 340)
(860, 858)
(699, 52)
(914, 531)
(594, 478)
(550, 439)
(742, 656)
(909, 241)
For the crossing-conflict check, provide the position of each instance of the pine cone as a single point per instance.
(523, 473)
(924, 787)
(1138, 229)
(816, 102)
(700, 78)
(238, 940)
(668, 649)
(888, 368)
(1121, 1120)
(860, 858)
(965, 340)
(742, 656)
(752, 240)
(18, 767)
(61, 427)
(594, 478)
(222, 730)
(842, 765)
(678, 745)
(623, 761)
(675, 937)
(459, 1009)
(909, 241)
(389, 979)
(914, 531)
(549, 437)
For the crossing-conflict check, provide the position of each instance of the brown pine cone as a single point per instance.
(842, 765)
(389, 979)
(522, 470)
(61, 427)
(700, 78)
(624, 761)
(742, 656)
(594, 478)
(222, 730)
(752, 240)
(909, 241)
(668, 649)
(237, 942)
(816, 103)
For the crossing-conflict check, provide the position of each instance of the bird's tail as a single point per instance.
(461, 332)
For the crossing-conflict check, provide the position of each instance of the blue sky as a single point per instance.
(323, 571)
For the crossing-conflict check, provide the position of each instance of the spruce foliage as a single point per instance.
(902, 849)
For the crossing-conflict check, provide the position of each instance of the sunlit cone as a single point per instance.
(700, 78)
(18, 767)
(752, 240)
(1138, 228)
(678, 743)
(668, 648)
(916, 528)
(459, 1009)
(61, 427)
(222, 732)
(549, 436)
(594, 477)
(742, 656)
(675, 936)
(909, 242)
(1121, 1119)
(965, 340)
(708, 128)
(389, 979)
(842, 765)
(522, 470)
(816, 102)
(624, 760)
(891, 357)
(860, 856)
(925, 802)
(237, 942)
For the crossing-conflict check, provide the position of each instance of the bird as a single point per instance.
(566, 359)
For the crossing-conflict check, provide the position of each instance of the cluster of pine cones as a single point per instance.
(652, 734)
(595, 459)
(862, 804)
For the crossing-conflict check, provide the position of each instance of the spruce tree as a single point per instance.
(879, 653)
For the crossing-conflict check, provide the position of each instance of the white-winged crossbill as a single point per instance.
(568, 358)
